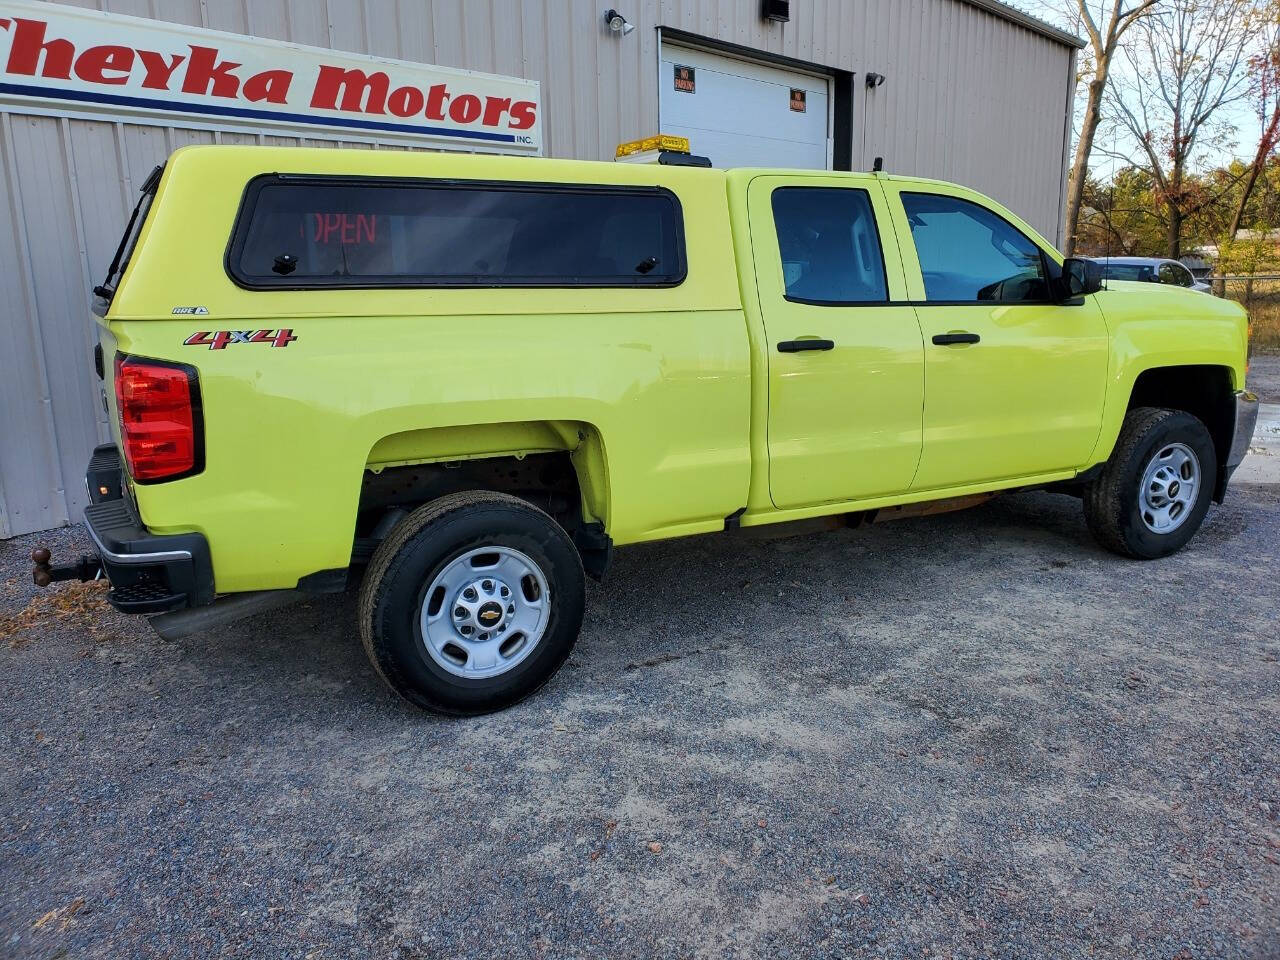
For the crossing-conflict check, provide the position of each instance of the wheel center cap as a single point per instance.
(490, 614)
(1173, 489)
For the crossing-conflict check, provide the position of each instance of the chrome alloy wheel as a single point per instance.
(485, 612)
(1170, 485)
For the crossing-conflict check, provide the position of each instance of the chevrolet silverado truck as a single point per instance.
(459, 382)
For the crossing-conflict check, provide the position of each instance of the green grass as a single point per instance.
(1262, 299)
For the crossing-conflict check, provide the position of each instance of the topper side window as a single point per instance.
(322, 232)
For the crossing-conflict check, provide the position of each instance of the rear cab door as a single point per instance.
(843, 346)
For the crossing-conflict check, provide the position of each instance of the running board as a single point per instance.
(181, 624)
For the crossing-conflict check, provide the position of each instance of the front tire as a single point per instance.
(472, 603)
(1154, 492)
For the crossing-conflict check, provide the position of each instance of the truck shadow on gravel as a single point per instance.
(705, 597)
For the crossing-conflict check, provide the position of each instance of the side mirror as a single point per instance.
(1079, 278)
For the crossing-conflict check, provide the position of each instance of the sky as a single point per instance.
(1241, 115)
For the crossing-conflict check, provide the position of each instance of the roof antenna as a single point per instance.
(878, 165)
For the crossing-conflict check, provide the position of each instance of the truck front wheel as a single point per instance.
(471, 603)
(1154, 492)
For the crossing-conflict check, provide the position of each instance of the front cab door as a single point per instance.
(1014, 382)
(845, 357)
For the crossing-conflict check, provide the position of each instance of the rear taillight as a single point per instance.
(160, 418)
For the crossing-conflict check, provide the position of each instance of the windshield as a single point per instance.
(107, 289)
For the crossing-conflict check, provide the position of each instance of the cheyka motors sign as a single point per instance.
(64, 61)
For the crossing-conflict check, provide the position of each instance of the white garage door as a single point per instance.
(743, 114)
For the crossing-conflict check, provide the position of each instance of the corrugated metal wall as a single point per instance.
(970, 97)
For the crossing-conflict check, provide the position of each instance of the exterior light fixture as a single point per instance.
(874, 80)
(778, 11)
(617, 22)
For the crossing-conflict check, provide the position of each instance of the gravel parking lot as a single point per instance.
(1264, 377)
(964, 736)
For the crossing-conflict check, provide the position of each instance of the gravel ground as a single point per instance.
(1264, 377)
(964, 736)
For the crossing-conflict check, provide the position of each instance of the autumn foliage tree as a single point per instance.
(1184, 65)
(1104, 29)
(1264, 88)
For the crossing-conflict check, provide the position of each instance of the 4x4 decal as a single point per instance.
(220, 339)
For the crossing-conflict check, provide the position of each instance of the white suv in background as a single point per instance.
(1151, 269)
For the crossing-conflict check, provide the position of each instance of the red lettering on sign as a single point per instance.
(406, 102)
(93, 64)
(523, 115)
(159, 70)
(209, 77)
(437, 97)
(205, 71)
(29, 43)
(354, 86)
(269, 85)
(465, 109)
(494, 108)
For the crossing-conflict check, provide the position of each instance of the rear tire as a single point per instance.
(472, 603)
(1154, 492)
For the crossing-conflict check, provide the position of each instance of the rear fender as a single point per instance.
(582, 441)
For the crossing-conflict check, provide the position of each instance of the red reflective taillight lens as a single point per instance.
(160, 418)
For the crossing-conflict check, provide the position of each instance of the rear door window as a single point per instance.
(298, 232)
(829, 245)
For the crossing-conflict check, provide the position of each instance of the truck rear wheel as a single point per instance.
(1154, 492)
(472, 603)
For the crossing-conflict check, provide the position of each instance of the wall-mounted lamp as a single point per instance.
(778, 11)
(617, 22)
(874, 80)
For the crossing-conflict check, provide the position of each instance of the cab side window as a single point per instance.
(968, 254)
(829, 245)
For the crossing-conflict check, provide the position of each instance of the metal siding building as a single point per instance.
(976, 92)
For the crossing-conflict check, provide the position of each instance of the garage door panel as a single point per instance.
(740, 114)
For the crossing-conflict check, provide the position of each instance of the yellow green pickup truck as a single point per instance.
(458, 382)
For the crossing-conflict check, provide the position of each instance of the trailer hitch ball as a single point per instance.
(41, 573)
(45, 573)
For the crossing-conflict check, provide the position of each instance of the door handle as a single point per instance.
(947, 339)
(795, 346)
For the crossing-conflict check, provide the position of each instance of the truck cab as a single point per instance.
(459, 382)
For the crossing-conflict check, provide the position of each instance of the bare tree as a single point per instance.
(1183, 66)
(1102, 42)
(1264, 70)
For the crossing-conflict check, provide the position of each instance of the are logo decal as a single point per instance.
(221, 339)
(190, 311)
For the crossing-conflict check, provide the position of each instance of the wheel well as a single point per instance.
(547, 480)
(1204, 392)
